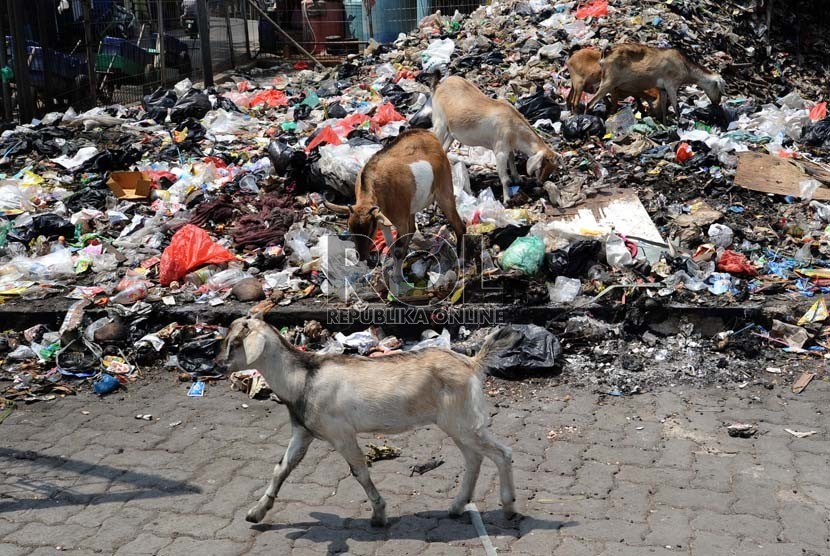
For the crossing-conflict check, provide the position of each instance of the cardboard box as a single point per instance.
(130, 186)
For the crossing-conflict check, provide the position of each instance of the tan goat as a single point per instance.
(586, 74)
(400, 180)
(336, 397)
(461, 111)
(637, 67)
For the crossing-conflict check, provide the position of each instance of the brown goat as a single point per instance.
(586, 74)
(396, 183)
(640, 67)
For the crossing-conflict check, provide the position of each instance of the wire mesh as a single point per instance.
(135, 46)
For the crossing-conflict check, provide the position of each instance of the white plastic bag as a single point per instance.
(616, 253)
(437, 54)
(340, 164)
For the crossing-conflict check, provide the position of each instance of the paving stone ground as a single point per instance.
(654, 474)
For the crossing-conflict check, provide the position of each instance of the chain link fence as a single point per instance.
(80, 53)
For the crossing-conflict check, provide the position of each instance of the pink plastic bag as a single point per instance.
(191, 247)
(818, 112)
(597, 8)
(271, 97)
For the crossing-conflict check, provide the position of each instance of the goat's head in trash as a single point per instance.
(363, 223)
(243, 346)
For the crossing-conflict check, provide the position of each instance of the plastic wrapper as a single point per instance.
(526, 254)
(736, 263)
(340, 164)
(340, 264)
(564, 289)
(191, 247)
(536, 351)
(431, 339)
(226, 279)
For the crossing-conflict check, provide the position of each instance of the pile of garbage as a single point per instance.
(217, 196)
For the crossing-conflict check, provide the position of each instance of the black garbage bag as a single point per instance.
(336, 110)
(712, 115)
(327, 88)
(582, 127)
(280, 155)
(397, 96)
(575, 260)
(817, 134)
(194, 104)
(225, 103)
(160, 98)
(347, 70)
(93, 196)
(538, 107)
(423, 118)
(196, 357)
(48, 225)
(112, 160)
(301, 112)
(195, 130)
(537, 350)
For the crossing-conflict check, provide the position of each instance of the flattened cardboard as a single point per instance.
(130, 186)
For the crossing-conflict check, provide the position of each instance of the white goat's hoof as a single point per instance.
(509, 512)
(255, 514)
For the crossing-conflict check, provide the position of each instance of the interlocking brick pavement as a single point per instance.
(655, 474)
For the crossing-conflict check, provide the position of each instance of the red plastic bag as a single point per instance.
(379, 241)
(301, 66)
(347, 124)
(191, 247)
(271, 97)
(386, 114)
(684, 153)
(597, 8)
(818, 112)
(736, 263)
(243, 86)
(327, 135)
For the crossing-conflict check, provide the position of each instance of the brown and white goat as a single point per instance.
(398, 181)
(633, 67)
(586, 74)
(461, 111)
(336, 397)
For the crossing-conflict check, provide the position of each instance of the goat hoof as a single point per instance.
(456, 512)
(378, 521)
(255, 515)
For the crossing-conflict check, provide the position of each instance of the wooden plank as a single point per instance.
(771, 174)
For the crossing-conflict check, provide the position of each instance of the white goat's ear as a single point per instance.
(254, 345)
(534, 164)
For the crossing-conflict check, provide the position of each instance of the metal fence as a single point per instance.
(87, 52)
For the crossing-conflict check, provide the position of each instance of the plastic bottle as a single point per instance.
(130, 295)
(226, 279)
(200, 277)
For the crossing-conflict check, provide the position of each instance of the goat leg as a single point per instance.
(297, 447)
(472, 467)
(502, 158)
(351, 452)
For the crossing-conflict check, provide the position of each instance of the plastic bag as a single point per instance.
(387, 114)
(160, 98)
(437, 54)
(193, 104)
(423, 118)
(536, 350)
(818, 134)
(222, 122)
(720, 235)
(564, 289)
(270, 98)
(807, 188)
(582, 127)
(460, 179)
(575, 260)
(280, 155)
(433, 340)
(736, 263)
(484, 209)
(326, 135)
(83, 155)
(340, 164)
(340, 264)
(621, 123)
(226, 279)
(818, 112)
(48, 267)
(526, 254)
(191, 247)
(538, 107)
(596, 8)
(616, 253)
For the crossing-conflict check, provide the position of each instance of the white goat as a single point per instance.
(335, 397)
